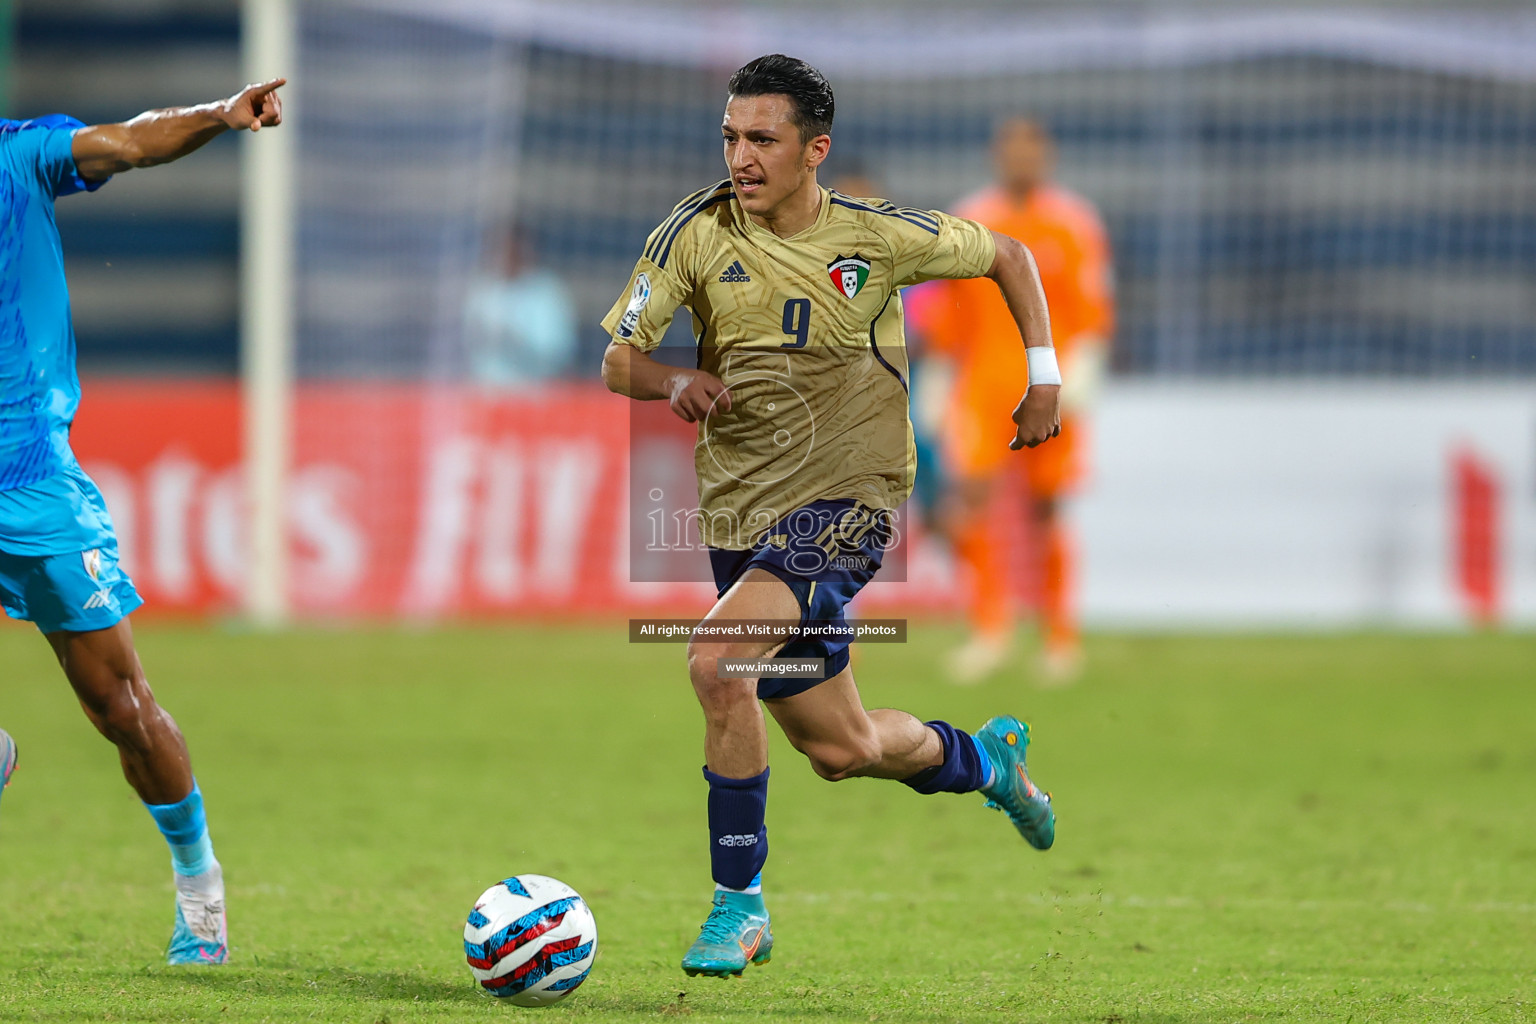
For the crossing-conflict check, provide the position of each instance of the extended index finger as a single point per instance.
(263, 88)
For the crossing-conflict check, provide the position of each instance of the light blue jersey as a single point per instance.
(58, 551)
(39, 390)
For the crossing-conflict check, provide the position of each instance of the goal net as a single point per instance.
(1287, 192)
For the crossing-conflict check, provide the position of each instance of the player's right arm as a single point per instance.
(661, 282)
(160, 136)
(634, 374)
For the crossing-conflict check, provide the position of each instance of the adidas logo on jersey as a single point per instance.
(735, 274)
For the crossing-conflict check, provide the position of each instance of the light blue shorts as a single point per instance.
(58, 556)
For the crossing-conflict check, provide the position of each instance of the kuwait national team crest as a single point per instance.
(849, 273)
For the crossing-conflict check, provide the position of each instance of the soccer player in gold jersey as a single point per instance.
(804, 451)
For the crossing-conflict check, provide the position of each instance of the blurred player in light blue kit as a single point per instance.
(58, 551)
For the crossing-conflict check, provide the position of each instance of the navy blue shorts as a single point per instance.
(825, 552)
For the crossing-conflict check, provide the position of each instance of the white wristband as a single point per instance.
(1042, 365)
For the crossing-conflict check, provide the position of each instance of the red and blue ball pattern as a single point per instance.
(530, 939)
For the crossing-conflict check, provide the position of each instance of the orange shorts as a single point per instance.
(976, 446)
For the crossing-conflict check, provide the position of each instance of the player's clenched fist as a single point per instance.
(1037, 416)
(692, 393)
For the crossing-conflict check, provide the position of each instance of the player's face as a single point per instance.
(1022, 155)
(767, 160)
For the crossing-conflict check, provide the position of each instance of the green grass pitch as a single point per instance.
(1337, 828)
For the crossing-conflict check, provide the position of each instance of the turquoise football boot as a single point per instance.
(735, 934)
(202, 932)
(7, 759)
(1005, 739)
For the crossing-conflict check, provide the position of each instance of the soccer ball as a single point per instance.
(530, 940)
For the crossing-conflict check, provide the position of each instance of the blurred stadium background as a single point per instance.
(1323, 406)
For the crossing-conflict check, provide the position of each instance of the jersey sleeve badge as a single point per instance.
(639, 296)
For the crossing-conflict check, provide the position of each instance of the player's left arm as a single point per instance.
(160, 136)
(928, 244)
(1038, 414)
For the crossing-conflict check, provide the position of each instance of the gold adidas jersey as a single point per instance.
(806, 333)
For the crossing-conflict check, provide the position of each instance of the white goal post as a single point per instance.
(267, 205)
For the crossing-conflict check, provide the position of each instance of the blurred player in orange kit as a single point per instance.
(968, 323)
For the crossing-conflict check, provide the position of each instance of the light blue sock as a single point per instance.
(185, 828)
(986, 759)
(754, 887)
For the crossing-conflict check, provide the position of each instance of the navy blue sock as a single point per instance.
(965, 768)
(738, 839)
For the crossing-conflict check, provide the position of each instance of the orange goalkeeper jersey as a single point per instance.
(969, 322)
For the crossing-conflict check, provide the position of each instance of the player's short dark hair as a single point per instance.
(810, 97)
(1022, 118)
